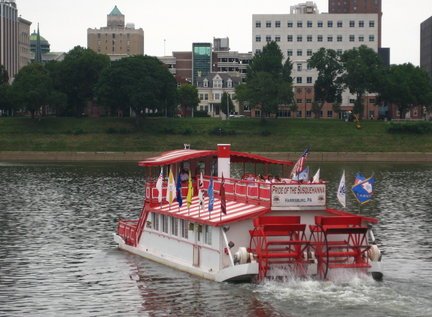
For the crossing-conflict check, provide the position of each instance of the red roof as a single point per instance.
(176, 156)
(236, 211)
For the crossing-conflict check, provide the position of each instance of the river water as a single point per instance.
(57, 256)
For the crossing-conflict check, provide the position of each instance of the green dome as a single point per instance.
(33, 38)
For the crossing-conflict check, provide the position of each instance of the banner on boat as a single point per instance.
(299, 195)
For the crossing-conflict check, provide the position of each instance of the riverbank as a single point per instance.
(23, 156)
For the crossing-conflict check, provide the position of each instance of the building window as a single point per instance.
(216, 96)
(208, 234)
(308, 100)
(299, 80)
(257, 51)
(329, 114)
(229, 83)
(258, 38)
(339, 51)
(308, 67)
(299, 100)
(299, 114)
(372, 101)
(361, 24)
(290, 53)
(201, 96)
(268, 38)
(309, 80)
(268, 24)
(329, 38)
(289, 38)
(309, 52)
(205, 83)
(184, 228)
(351, 38)
(299, 38)
(155, 221)
(339, 38)
(361, 38)
(308, 114)
(309, 24)
(371, 24)
(299, 24)
(371, 38)
(309, 38)
(290, 24)
(352, 100)
(299, 67)
(277, 24)
(299, 53)
(277, 38)
(339, 24)
(258, 24)
(319, 38)
(329, 24)
(352, 23)
(205, 96)
(164, 223)
(320, 24)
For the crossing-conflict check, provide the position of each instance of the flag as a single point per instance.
(302, 176)
(363, 190)
(359, 178)
(316, 178)
(190, 191)
(222, 196)
(171, 189)
(299, 165)
(201, 191)
(178, 190)
(341, 193)
(159, 185)
(210, 194)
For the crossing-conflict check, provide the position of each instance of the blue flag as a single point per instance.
(178, 191)
(363, 189)
(210, 194)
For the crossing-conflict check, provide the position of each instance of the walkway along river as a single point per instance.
(57, 257)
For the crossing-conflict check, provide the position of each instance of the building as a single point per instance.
(426, 46)
(303, 32)
(201, 60)
(25, 55)
(211, 88)
(9, 26)
(117, 39)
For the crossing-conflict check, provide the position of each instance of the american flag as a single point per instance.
(299, 165)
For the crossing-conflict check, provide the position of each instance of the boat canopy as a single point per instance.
(177, 156)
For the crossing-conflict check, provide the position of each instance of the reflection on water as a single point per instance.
(58, 258)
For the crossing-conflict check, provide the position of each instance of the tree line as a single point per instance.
(143, 84)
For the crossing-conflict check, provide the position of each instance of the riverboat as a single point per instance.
(244, 228)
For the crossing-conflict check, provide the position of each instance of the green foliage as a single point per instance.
(187, 95)
(201, 114)
(219, 131)
(268, 81)
(422, 127)
(226, 99)
(137, 82)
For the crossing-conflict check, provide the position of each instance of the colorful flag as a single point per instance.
(363, 190)
(178, 190)
(222, 196)
(171, 188)
(359, 178)
(201, 191)
(299, 165)
(159, 185)
(190, 191)
(341, 193)
(316, 178)
(210, 193)
(302, 176)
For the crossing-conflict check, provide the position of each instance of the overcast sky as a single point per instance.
(173, 25)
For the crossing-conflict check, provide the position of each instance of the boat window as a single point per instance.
(155, 221)
(164, 223)
(207, 234)
(184, 228)
(174, 226)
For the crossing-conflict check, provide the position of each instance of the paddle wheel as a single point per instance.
(279, 241)
(339, 242)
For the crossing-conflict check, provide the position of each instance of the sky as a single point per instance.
(173, 25)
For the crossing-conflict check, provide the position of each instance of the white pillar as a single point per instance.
(224, 162)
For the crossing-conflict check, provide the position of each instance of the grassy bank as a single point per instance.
(158, 134)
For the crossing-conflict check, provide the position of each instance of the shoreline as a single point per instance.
(401, 157)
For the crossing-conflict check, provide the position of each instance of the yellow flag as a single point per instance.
(171, 190)
(190, 191)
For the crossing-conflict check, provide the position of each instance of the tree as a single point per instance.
(226, 104)
(362, 72)
(32, 88)
(77, 76)
(5, 102)
(139, 83)
(187, 95)
(268, 81)
(406, 85)
(327, 87)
